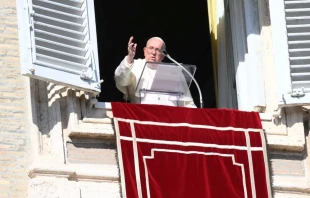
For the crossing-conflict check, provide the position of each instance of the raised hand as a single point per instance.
(131, 50)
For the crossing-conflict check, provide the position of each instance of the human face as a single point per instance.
(153, 50)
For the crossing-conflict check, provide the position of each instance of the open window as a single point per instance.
(58, 42)
(183, 25)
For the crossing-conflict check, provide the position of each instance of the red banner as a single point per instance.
(176, 152)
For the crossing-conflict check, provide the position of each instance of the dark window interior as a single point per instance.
(183, 25)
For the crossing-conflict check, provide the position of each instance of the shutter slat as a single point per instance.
(74, 3)
(296, 7)
(59, 63)
(301, 44)
(298, 31)
(58, 15)
(299, 52)
(61, 55)
(59, 31)
(302, 36)
(300, 68)
(302, 83)
(300, 60)
(298, 26)
(298, 10)
(301, 76)
(59, 23)
(59, 6)
(55, 66)
(61, 47)
(60, 39)
(297, 20)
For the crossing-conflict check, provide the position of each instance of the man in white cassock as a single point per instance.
(127, 74)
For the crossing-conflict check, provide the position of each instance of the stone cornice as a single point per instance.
(83, 172)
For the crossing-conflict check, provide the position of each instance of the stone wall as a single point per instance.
(14, 131)
(49, 136)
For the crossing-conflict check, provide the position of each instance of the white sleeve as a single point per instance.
(122, 73)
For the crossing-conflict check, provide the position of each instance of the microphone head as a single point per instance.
(165, 52)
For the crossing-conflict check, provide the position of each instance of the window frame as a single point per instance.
(246, 48)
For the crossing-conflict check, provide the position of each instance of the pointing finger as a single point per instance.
(130, 40)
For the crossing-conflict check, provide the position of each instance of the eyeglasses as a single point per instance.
(157, 51)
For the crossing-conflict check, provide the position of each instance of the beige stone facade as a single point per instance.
(15, 154)
(59, 142)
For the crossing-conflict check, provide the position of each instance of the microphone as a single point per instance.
(192, 77)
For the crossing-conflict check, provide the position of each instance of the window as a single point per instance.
(58, 42)
(185, 31)
(290, 29)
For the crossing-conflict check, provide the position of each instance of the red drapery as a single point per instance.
(176, 152)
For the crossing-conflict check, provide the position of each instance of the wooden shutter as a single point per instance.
(297, 14)
(62, 42)
(290, 22)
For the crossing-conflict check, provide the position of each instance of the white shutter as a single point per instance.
(290, 21)
(58, 42)
(298, 31)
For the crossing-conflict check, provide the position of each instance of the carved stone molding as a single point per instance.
(43, 187)
(74, 172)
(287, 131)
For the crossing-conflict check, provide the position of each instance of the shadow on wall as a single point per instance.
(55, 108)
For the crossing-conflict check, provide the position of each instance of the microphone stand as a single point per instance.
(200, 96)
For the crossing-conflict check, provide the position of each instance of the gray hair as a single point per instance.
(158, 38)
